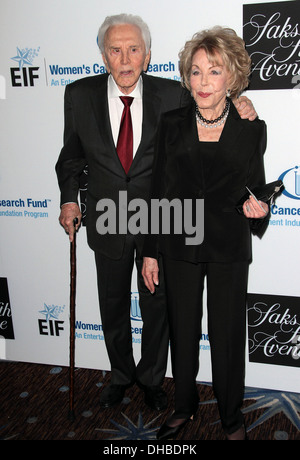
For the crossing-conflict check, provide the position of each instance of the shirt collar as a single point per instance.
(114, 92)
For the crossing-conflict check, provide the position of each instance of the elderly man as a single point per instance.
(93, 113)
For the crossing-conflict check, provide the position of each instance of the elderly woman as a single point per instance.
(207, 151)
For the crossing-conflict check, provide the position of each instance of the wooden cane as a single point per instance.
(72, 322)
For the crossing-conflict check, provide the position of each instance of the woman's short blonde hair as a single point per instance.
(229, 46)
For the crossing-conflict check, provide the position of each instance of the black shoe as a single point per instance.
(155, 398)
(167, 431)
(238, 435)
(112, 395)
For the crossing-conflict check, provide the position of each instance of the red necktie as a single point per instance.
(125, 139)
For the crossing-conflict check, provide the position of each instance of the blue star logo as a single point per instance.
(22, 58)
(25, 56)
(50, 311)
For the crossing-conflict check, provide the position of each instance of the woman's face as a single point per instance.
(209, 82)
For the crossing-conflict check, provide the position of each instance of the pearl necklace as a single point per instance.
(213, 123)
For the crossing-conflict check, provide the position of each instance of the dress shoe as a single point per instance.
(112, 395)
(155, 398)
(238, 435)
(172, 427)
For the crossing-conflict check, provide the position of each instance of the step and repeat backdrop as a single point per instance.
(44, 46)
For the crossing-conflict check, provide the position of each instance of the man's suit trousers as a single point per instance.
(114, 287)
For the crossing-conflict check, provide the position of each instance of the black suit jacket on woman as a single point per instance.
(88, 140)
(178, 173)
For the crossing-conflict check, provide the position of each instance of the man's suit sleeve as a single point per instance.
(185, 98)
(71, 161)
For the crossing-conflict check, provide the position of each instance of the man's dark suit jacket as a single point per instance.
(88, 140)
(178, 173)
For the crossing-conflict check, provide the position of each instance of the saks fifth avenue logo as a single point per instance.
(272, 36)
(6, 323)
(274, 329)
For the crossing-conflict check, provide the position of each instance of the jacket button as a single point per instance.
(128, 179)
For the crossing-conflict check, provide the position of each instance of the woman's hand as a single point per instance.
(253, 210)
(150, 273)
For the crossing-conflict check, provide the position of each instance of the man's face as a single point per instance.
(125, 55)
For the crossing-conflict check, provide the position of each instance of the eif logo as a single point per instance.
(51, 325)
(25, 75)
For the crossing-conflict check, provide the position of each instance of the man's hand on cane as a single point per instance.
(68, 213)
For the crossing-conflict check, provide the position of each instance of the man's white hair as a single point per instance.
(124, 19)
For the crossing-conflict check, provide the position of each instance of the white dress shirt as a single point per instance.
(116, 107)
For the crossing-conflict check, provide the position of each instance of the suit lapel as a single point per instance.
(230, 132)
(99, 102)
(188, 131)
(225, 151)
(151, 113)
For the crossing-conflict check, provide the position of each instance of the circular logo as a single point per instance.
(291, 180)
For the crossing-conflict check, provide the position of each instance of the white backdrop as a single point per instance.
(47, 38)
